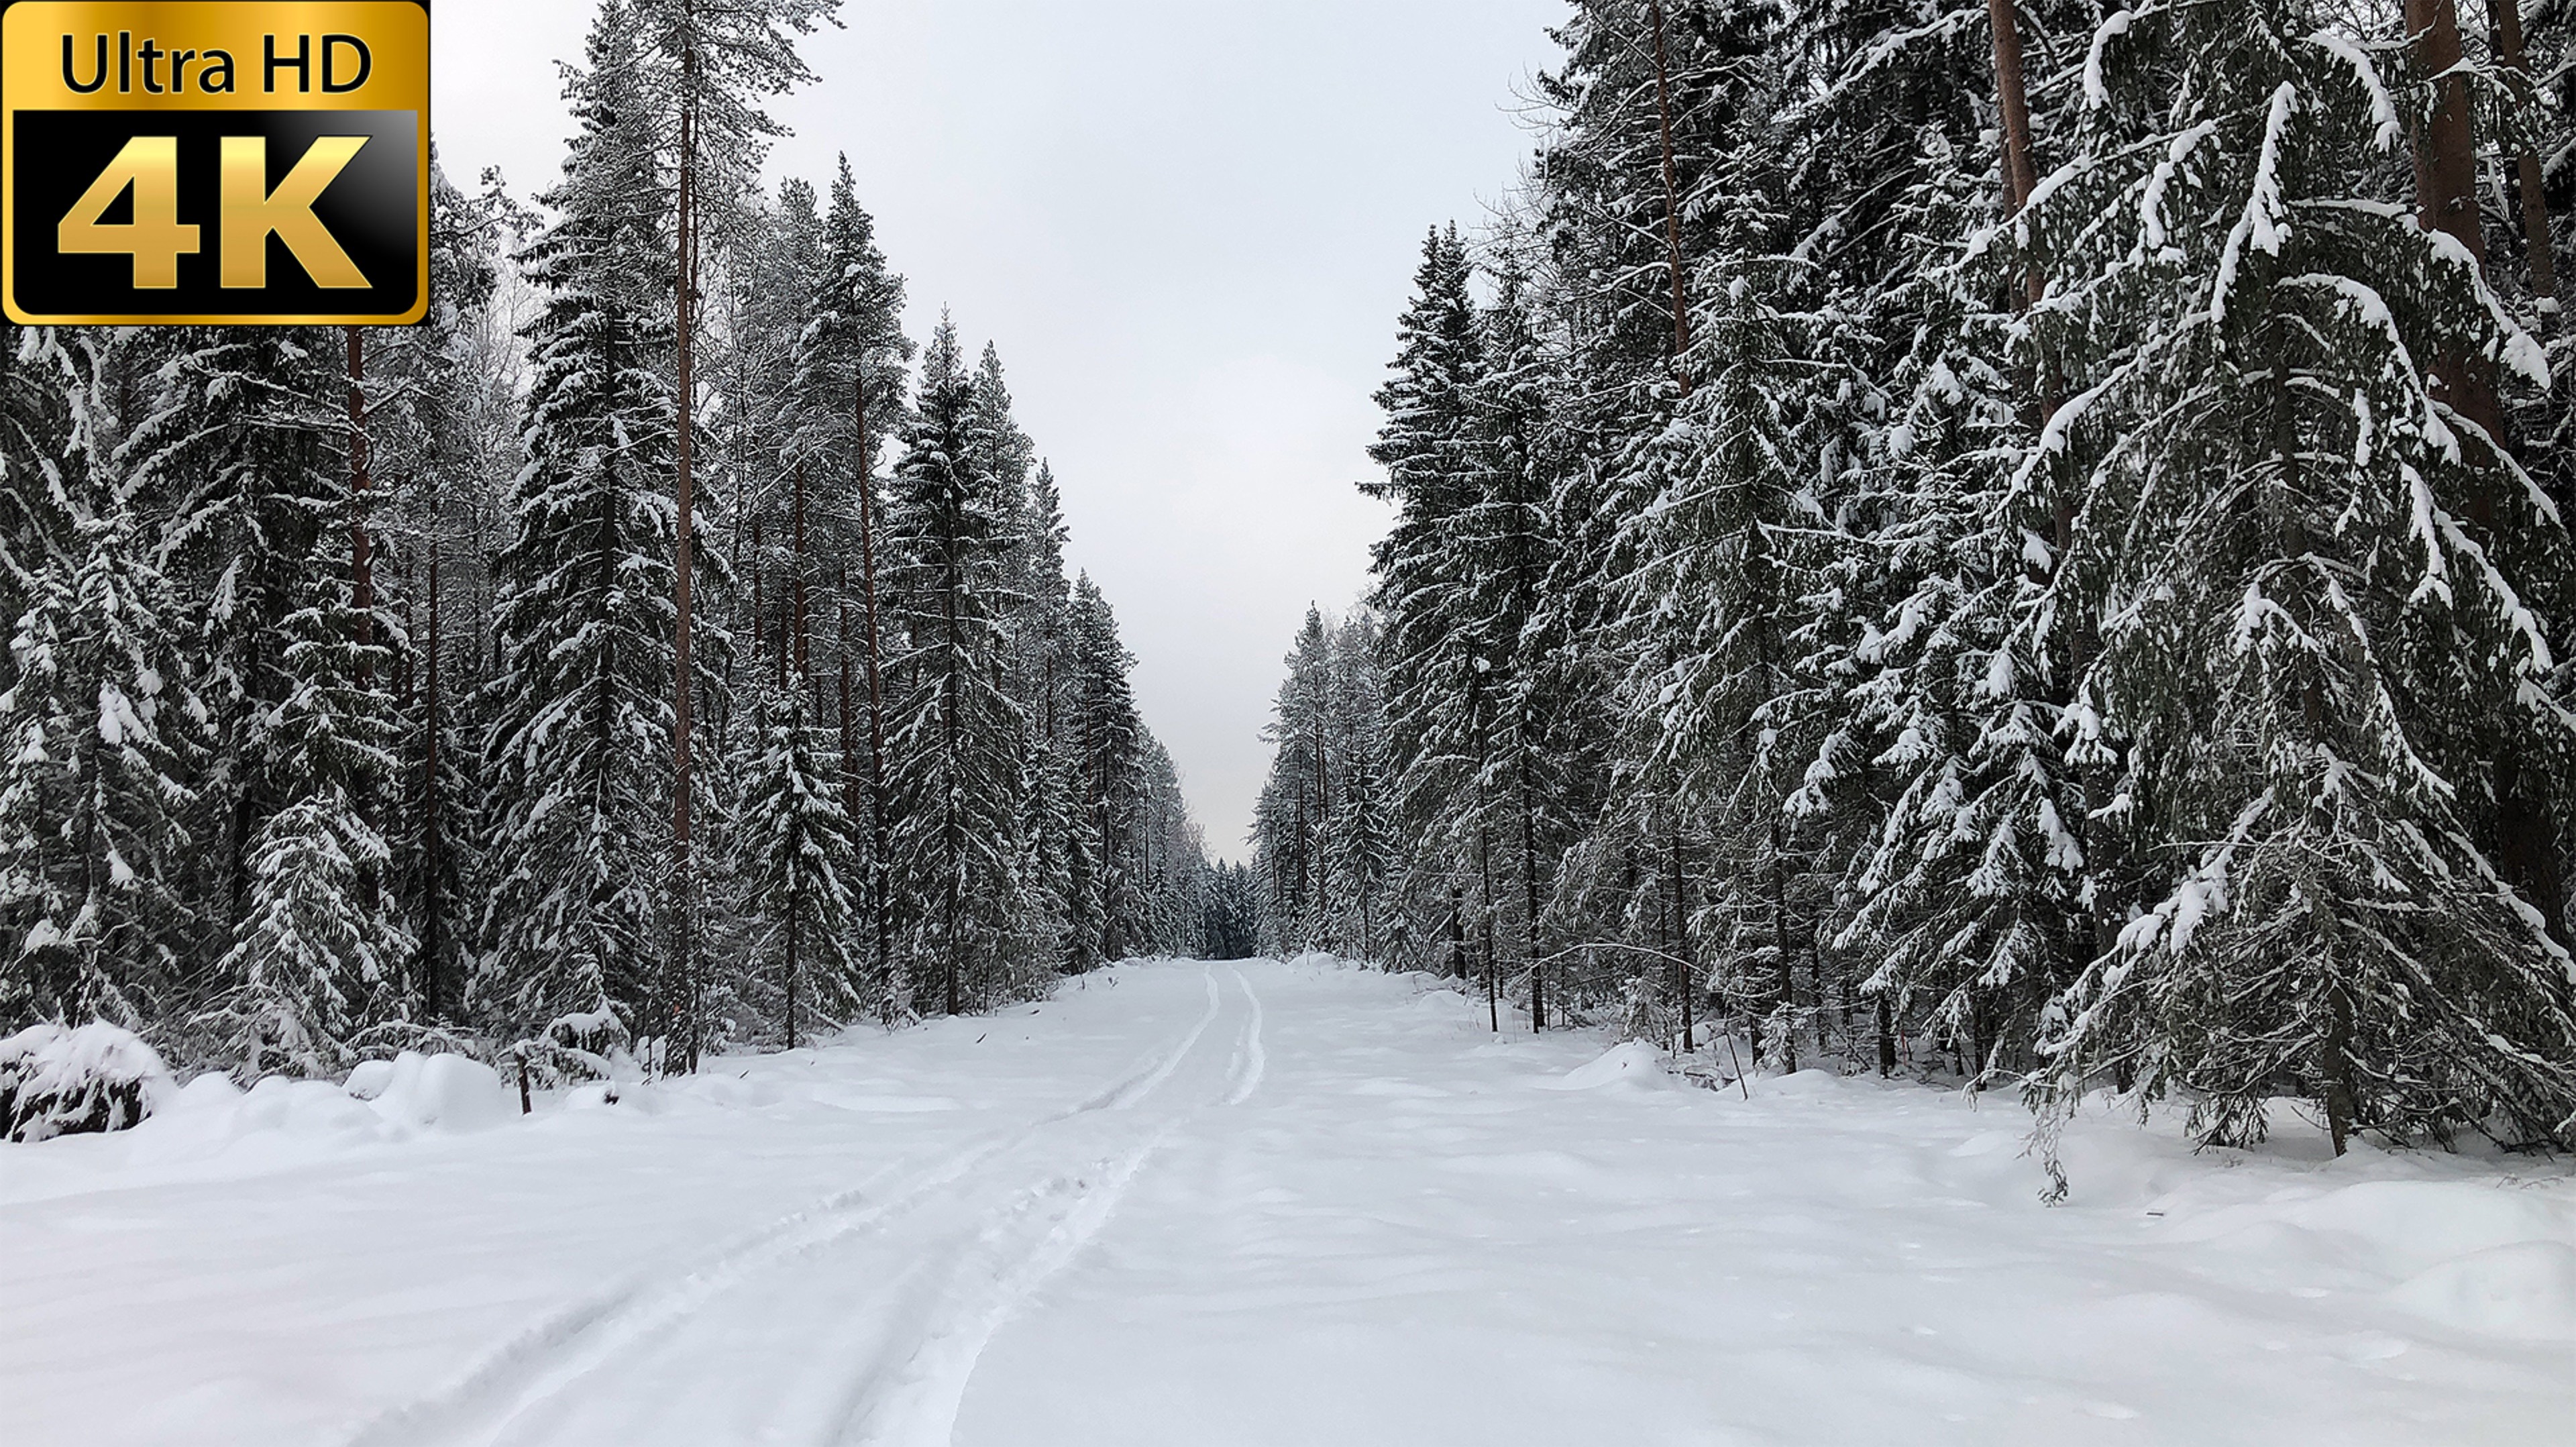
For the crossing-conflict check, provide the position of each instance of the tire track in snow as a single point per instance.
(1252, 1058)
(915, 1403)
(1020, 1247)
(555, 1355)
(1146, 1082)
(545, 1358)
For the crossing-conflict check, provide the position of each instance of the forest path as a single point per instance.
(1226, 1205)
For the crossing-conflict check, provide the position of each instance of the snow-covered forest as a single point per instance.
(2017, 539)
(342, 699)
(1949, 814)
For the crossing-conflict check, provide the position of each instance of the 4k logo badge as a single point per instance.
(214, 161)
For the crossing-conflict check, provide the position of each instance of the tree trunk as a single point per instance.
(1529, 905)
(880, 888)
(953, 744)
(846, 716)
(1788, 984)
(797, 567)
(1672, 202)
(1685, 985)
(439, 1003)
(2446, 178)
(362, 575)
(2340, 1096)
(791, 970)
(2012, 97)
(2535, 193)
(684, 862)
(1485, 871)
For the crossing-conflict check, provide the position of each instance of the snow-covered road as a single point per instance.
(1259, 1204)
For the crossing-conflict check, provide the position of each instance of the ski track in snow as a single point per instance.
(1290, 1205)
(1252, 1060)
(1029, 1240)
(518, 1383)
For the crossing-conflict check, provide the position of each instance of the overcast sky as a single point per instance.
(1188, 224)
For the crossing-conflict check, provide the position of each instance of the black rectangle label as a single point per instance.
(357, 257)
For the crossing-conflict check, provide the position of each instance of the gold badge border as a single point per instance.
(9, 216)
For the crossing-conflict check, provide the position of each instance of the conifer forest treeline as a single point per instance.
(2026, 536)
(655, 649)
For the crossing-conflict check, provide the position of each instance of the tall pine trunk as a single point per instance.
(1529, 903)
(797, 565)
(2012, 97)
(1684, 986)
(438, 1002)
(1672, 200)
(362, 575)
(880, 888)
(2528, 173)
(952, 739)
(2524, 834)
(684, 862)
(2446, 179)
(1787, 980)
(362, 570)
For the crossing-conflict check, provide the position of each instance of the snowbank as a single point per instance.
(59, 1081)
(1632, 1063)
(442, 1092)
(2527, 1290)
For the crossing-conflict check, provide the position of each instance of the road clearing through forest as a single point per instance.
(1261, 1203)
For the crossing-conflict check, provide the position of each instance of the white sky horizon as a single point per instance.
(1188, 228)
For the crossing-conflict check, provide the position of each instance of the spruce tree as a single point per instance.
(2304, 542)
(954, 732)
(577, 757)
(800, 850)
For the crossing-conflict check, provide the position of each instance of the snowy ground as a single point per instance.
(1266, 1204)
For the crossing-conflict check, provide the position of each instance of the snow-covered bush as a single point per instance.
(55, 1080)
(582, 1046)
(593, 1032)
(446, 1092)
